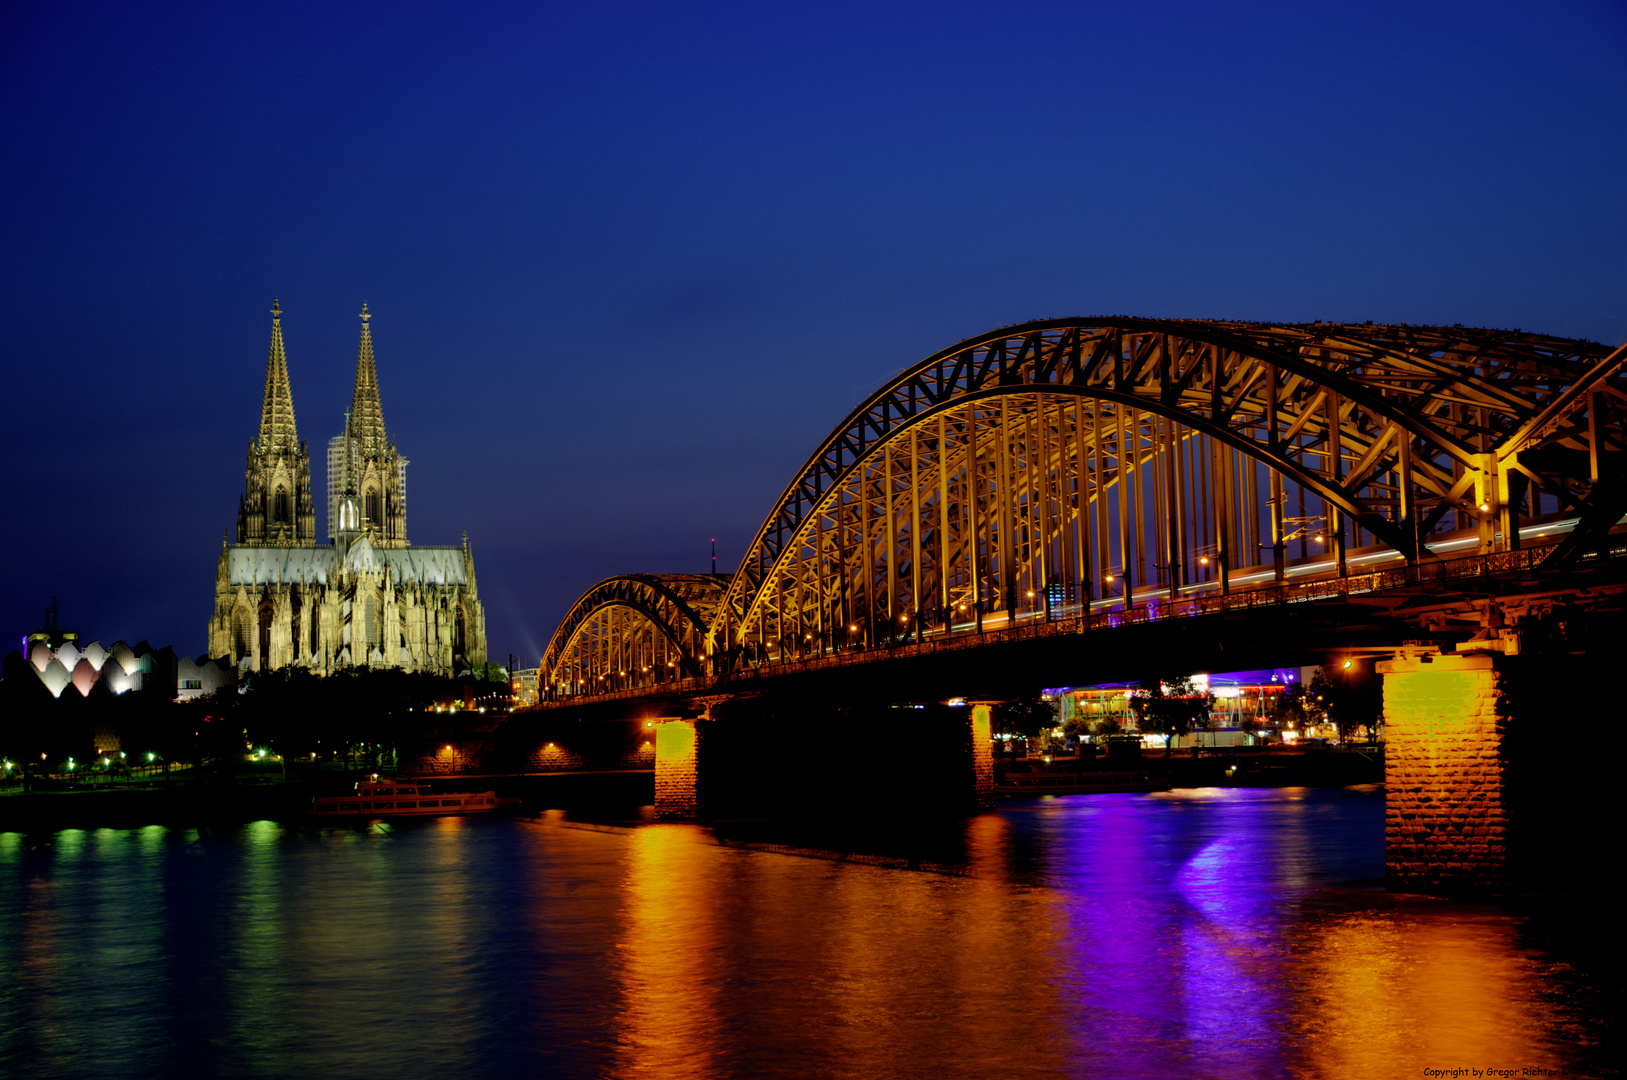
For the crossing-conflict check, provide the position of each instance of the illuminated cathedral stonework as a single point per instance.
(367, 598)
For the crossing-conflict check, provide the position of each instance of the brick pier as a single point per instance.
(1446, 810)
(677, 768)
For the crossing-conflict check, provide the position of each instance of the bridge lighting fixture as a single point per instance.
(1203, 560)
(1348, 665)
(1318, 538)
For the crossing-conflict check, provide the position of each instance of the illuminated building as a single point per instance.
(368, 598)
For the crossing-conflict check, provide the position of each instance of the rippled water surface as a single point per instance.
(1197, 933)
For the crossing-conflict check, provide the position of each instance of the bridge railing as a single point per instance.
(1522, 560)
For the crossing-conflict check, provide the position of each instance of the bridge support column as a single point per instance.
(1446, 801)
(981, 735)
(677, 761)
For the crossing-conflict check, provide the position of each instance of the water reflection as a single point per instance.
(1384, 991)
(1207, 933)
(667, 1021)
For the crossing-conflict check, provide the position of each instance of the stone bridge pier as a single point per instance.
(1446, 815)
(767, 758)
(1499, 769)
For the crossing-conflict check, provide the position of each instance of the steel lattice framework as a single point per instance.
(634, 629)
(1069, 463)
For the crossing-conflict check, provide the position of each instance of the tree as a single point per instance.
(1025, 717)
(1349, 695)
(1077, 727)
(1080, 727)
(1289, 707)
(1176, 711)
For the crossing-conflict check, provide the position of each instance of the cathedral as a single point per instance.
(365, 597)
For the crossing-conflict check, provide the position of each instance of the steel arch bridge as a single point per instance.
(1060, 466)
(636, 629)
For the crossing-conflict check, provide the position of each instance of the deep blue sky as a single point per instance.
(629, 263)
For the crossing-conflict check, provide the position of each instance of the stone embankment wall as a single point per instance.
(526, 746)
(562, 756)
(1446, 819)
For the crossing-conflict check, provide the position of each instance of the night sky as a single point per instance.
(628, 264)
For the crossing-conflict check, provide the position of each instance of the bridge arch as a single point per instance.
(633, 630)
(1066, 460)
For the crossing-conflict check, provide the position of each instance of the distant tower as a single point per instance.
(366, 476)
(277, 508)
(337, 474)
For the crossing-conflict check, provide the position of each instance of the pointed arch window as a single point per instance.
(373, 507)
(266, 615)
(279, 506)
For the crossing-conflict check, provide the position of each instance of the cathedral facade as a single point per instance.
(366, 598)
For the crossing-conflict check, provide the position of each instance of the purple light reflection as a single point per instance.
(1178, 906)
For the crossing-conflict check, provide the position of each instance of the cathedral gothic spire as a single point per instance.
(375, 475)
(277, 428)
(276, 507)
(366, 414)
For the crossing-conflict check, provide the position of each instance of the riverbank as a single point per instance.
(198, 802)
(226, 802)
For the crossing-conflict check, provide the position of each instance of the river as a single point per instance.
(1202, 933)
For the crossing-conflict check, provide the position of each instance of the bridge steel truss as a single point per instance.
(1041, 469)
(1055, 464)
(633, 630)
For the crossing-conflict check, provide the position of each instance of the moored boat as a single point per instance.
(388, 798)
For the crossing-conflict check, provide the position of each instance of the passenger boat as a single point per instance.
(1077, 783)
(387, 799)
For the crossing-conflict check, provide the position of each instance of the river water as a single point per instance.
(1203, 933)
